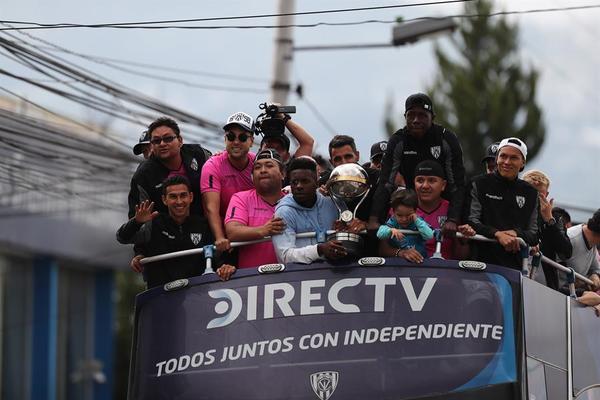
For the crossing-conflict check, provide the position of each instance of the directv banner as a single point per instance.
(352, 333)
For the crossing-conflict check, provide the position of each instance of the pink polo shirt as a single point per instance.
(218, 175)
(436, 220)
(249, 209)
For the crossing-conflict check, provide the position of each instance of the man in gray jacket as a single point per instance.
(585, 238)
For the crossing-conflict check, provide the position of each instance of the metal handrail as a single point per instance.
(437, 254)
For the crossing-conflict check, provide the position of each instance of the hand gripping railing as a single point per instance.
(525, 270)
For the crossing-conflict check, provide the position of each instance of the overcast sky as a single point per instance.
(348, 87)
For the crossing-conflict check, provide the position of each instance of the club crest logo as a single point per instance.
(196, 238)
(520, 201)
(194, 164)
(324, 383)
(383, 146)
(436, 151)
(494, 148)
(442, 220)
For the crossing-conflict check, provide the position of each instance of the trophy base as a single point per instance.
(352, 242)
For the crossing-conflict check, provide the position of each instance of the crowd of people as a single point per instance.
(183, 197)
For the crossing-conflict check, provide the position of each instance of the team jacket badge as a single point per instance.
(196, 238)
(194, 164)
(520, 201)
(436, 151)
(324, 383)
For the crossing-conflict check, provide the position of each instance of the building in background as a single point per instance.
(63, 191)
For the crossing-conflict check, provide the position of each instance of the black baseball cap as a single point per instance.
(378, 149)
(429, 168)
(418, 100)
(139, 146)
(491, 152)
(269, 154)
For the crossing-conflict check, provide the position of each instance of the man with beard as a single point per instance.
(227, 173)
(250, 213)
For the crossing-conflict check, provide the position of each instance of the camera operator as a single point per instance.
(275, 138)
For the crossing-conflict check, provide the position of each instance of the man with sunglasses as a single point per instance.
(504, 207)
(169, 157)
(228, 173)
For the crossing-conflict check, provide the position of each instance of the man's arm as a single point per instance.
(458, 174)
(381, 198)
(212, 204)
(133, 232)
(285, 244)
(530, 234)
(305, 140)
(475, 216)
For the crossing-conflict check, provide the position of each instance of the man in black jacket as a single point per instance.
(160, 233)
(504, 207)
(420, 140)
(169, 157)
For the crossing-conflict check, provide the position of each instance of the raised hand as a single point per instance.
(144, 213)
(546, 207)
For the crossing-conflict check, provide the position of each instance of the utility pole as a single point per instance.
(283, 56)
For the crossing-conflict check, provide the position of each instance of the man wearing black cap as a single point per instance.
(420, 140)
(489, 160)
(250, 213)
(282, 143)
(143, 146)
(377, 152)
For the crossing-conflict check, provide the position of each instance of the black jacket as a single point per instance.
(499, 204)
(403, 154)
(146, 183)
(554, 243)
(162, 235)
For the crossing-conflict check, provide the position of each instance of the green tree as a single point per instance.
(482, 92)
(128, 285)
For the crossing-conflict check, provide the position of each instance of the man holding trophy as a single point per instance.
(307, 210)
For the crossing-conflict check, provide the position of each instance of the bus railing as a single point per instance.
(527, 269)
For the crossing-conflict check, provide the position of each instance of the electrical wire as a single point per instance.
(306, 25)
(239, 17)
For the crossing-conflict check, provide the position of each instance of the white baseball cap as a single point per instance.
(242, 120)
(516, 143)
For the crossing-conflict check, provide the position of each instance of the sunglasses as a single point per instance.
(166, 139)
(231, 137)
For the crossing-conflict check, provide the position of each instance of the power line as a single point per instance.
(229, 18)
(135, 25)
(185, 71)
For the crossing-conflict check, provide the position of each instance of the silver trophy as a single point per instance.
(348, 187)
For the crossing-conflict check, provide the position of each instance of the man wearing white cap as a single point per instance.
(228, 173)
(504, 207)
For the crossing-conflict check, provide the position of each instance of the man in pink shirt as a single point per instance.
(250, 213)
(228, 173)
(430, 182)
